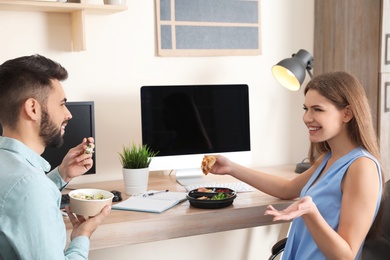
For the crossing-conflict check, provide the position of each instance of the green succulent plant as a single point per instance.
(136, 156)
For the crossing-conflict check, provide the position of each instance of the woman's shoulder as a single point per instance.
(365, 164)
(365, 170)
(362, 159)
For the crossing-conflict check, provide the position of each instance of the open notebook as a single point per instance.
(157, 203)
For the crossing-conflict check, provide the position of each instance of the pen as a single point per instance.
(153, 193)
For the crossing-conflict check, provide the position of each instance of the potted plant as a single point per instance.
(135, 160)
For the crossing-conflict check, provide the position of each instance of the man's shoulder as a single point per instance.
(14, 169)
(25, 181)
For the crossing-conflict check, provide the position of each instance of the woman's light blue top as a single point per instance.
(31, 223)
(326, 194)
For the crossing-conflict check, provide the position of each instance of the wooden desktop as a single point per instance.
(123, 228)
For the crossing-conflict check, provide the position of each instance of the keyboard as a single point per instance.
(236, 186)
(64, 200)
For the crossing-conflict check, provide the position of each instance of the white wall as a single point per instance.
(121, 57)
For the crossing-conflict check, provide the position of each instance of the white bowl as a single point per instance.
(89, 206)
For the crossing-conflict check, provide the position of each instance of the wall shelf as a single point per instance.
(77, 12)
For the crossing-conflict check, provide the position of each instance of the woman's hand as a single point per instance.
(295, 210)
(221, 166)
(76, 162)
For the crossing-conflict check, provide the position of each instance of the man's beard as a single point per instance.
(49, 132)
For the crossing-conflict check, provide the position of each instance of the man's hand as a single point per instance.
(83, 226)
(76, 162)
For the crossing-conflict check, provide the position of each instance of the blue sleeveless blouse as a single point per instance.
(326, 194)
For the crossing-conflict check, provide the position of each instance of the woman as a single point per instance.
(341, 193)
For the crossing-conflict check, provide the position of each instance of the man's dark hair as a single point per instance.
(23, 78)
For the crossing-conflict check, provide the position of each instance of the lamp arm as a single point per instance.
(310, 74)
(310, 67)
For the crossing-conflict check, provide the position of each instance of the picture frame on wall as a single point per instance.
(208, 28)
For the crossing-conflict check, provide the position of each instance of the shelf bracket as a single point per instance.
(78, 30)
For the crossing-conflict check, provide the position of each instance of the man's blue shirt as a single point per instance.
(31, 223)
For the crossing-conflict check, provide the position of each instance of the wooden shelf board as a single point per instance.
(59, 7)
(76, 10)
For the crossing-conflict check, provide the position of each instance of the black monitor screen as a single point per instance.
(81, 125)
(193, 119)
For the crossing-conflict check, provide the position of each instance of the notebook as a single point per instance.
(156, 203)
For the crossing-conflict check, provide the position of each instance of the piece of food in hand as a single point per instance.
(89, 149)
(208, 163)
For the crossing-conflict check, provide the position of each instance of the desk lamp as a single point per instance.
(291, 72)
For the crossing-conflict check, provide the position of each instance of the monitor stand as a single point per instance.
(190, 176)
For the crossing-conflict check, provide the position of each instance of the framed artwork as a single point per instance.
(208, 27)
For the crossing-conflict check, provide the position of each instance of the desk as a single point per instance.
(123, 228)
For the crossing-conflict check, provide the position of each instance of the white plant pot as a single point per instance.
(135, 180)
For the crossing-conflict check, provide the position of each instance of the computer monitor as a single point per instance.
(81, 125)
(184, 122)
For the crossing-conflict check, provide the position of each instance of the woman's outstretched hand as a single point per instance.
(295, 210)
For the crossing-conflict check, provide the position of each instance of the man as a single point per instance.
(34, 116)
